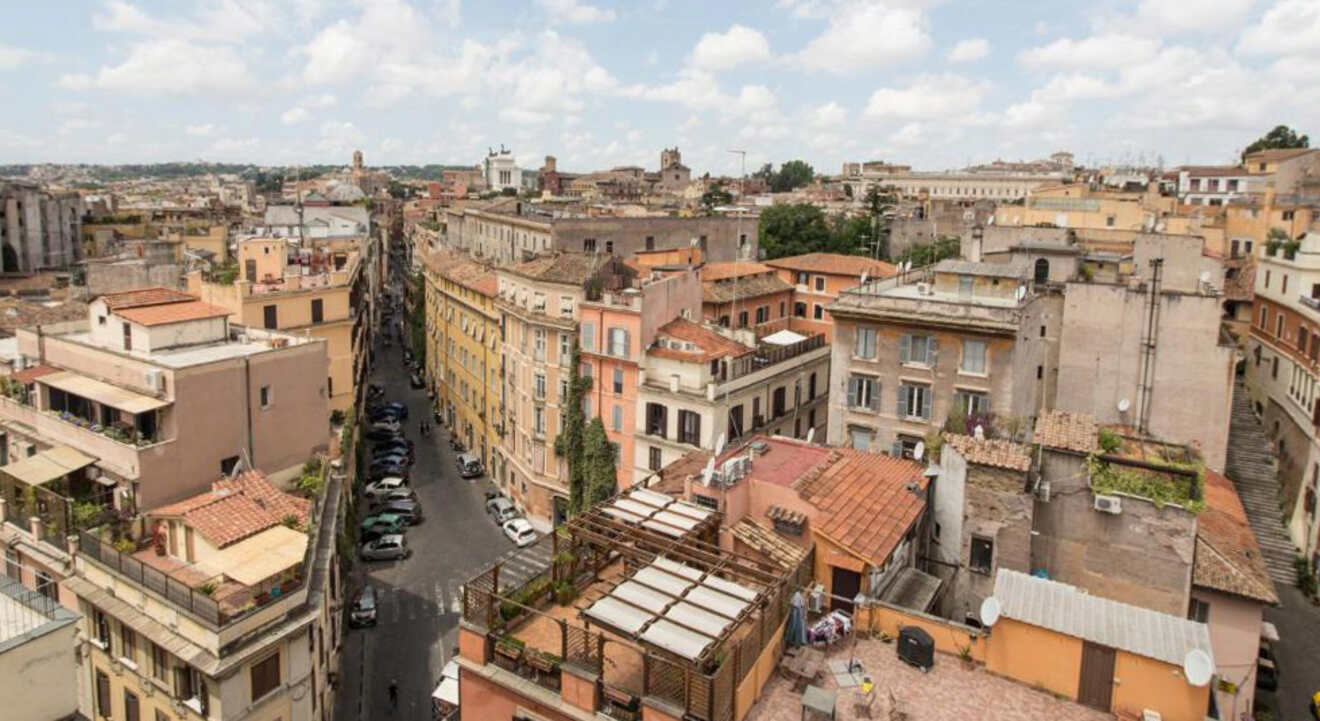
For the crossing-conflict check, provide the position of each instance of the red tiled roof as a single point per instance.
(1069, 431)
(237, 508)
(1227, 556)
(709, 344)
(1274, 154)
(867, 501)
(172, 312)
(144, 297)
(27, 375)
(995, 452)
(732, 269)
(836, 264)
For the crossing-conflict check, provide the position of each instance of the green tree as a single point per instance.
(717, 195)
(417, 323)
(793, 230)
(569, 444)
(793, 174)
(1281, 136)
(600, 459)
(922, 254)
(879, 200)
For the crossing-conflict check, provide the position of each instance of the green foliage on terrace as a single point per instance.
(1159, 488)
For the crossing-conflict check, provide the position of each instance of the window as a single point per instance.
(706, 501)
(811, 387)
(538, 385)
(859, 438)
(818, 311)
(588, 336)
(103, 695)
(616, 418)
(657, 419)
(318, 310)
(127, 643)
(914, 401)
(618, 380)
(917, 350)
(538, 347)
(762, 314)
(1283, 287)
(983, 554)
(13, 568)
(566, 306)
(1109, 221)
(609, 247)
(735, 421)
(101, 625)
(227, 465)
(972, 402)
(46, 586)
(265, 676)
(650, 242)
(160, 663)
(1264, 316)
(538, 421)
(653, 458)
(265, 396)
(618, 339)
(565, 348)
(965, 283)
(781, 308)
(802, 278)
(864, 393)
(973, 357)
(1287, 215)
(820, 283)
(864, 346)
(128, 337)
(799, 310)
(270, 317)
(132, 711)
(689, 428)
(1278, 326)
(1198, 610)
(1274, 371)
(742, 319)
(589, 245)
(1040, 372)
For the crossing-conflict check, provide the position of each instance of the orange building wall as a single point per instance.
(603, 397)
(949, 637)
(808, 294)
(1144, 683)
(1035, 656)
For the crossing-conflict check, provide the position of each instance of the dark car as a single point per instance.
(381, 500)
(396, 407)
(363, 612)
(384, 415)
(380, 435)
(400, 458)
(375, 474)
(410, 511)
(392, 449)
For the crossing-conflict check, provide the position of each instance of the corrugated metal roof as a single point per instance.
(1071, 611)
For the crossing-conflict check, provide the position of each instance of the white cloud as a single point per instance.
(1291, 26)
(294, 115)
(862, 36)
(389, 145)
(222, 21)
(116, 139)
(201, 131)
(73, 125)
(11, 57)
(721, 51)
(169, 66)
(829, 115)
(574, 12)
(320, 102)
(1205, 16)
(339, 138)
(969, 50)
(909, 135)
(69, 107)
(950, 99)
(335, 54)
(1098, 51)
(234, 148)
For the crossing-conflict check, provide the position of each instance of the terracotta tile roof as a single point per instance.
(144, 297)
(779, 550)
(672, 477)
(561, 267)
(27, 375)
(836, 264)
(867, 501)
(1203, 171)
(995, 452)
(1275, 154)
(472, 275)
(237, 508)
(732, 269)
(172, 312)
(1068, 431)
(18, 313)
(731, 289)
(1227, 556)
(708, 344)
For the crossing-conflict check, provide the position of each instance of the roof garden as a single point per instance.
(1163, 473)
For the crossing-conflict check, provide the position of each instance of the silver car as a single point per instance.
(390, 547)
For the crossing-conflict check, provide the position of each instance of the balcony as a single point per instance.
(115, 452)
(1309, 302)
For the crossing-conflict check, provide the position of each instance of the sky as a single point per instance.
(595, 83)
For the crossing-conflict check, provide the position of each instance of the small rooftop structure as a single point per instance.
(683, 340)
(836, 264)
(996, 452)
(867, 501)
(1066, 431)
(236, 508)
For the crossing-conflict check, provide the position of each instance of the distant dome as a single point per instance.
(345, 193)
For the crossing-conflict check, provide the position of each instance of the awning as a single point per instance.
(103, 393)
(783, 337)
(447, 691)
(262, 556)
(48, 465)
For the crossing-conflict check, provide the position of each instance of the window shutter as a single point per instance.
(896, 450)
(180, 682)
(854, 388)
(903, 393)
(904, 348)
(925, 403)
(626, 344)
(932, 350)
(875, 397)
(858, 343)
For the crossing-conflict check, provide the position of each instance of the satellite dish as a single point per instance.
(1198, 667)
(863, 277)
(979, 432)
(919, 451)
(719, 445)
(811, 433)
(708, 471)
(1123, 405)
(1205, 276)
(990, 610)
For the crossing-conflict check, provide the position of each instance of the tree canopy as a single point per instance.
(1281, 136)
(793, 174)
(717, 195)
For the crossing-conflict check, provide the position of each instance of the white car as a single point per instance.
(520, 532)
(384, 487)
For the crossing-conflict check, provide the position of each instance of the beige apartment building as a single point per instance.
(1077, 205)
(225, 607)
(315, 292)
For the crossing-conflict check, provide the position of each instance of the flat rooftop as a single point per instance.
(24, 613)
(184, 357)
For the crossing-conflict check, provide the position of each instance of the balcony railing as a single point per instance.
(1309, 302)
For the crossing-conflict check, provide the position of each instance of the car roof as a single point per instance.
(388, 480)
(392, 538)
(519, 524)
(383, 516)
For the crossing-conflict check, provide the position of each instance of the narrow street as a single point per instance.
(420, 603)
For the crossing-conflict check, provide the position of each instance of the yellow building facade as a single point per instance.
(463, 332)
(1077, 206)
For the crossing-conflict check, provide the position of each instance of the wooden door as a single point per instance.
(1095, 687)
(844, 585)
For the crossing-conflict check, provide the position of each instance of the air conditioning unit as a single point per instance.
(1043, 491)
(1109, 504)
(923, 289)
(1149, 715)
(153, 379)
(816, 599)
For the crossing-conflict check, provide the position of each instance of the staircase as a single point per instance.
(1251, 468)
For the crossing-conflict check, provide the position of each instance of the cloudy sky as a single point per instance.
(600, 83)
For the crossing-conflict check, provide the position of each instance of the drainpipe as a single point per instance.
(247, 405)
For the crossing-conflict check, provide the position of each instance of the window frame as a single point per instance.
(269, 685)
(985, 358)
(988, 545)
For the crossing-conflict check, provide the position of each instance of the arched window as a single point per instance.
(1042, 270)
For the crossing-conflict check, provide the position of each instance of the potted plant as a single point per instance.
(965, 655)
(510, 650)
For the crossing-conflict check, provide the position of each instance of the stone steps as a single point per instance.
(1252, 468)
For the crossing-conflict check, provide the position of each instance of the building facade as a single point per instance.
(817, 280)
(38, 228)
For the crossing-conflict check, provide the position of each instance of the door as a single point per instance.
(1095, 687)
(844, 584)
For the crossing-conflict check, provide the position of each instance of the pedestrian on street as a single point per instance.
(394, 694)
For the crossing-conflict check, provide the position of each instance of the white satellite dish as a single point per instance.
(979, 432)
(1205, 276)
(919, 451)
(708, 471)
(863, 277)
(1198, 667)
(990, 610)
(1123, 405)
(811, 433)
(719, 445)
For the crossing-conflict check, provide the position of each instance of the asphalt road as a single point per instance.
(1298, 654)
(420, 602)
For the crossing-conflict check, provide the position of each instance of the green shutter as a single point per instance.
(904, 348)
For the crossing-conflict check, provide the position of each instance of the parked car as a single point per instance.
(363, 611)
(501, 509)
(387, 522)
(393, 406)
(384, 486)
(389, 462)
(380, 435)
(384, 414)
(520, 532)
(1267, 675)
(375, 389)
(380, 501)
(416, 381)
(391, 425)
(402, 458)
(469, 466)
(387, 471)
(409, 510)
(386, 548)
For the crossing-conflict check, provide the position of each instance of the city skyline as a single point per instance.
(607, 84)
